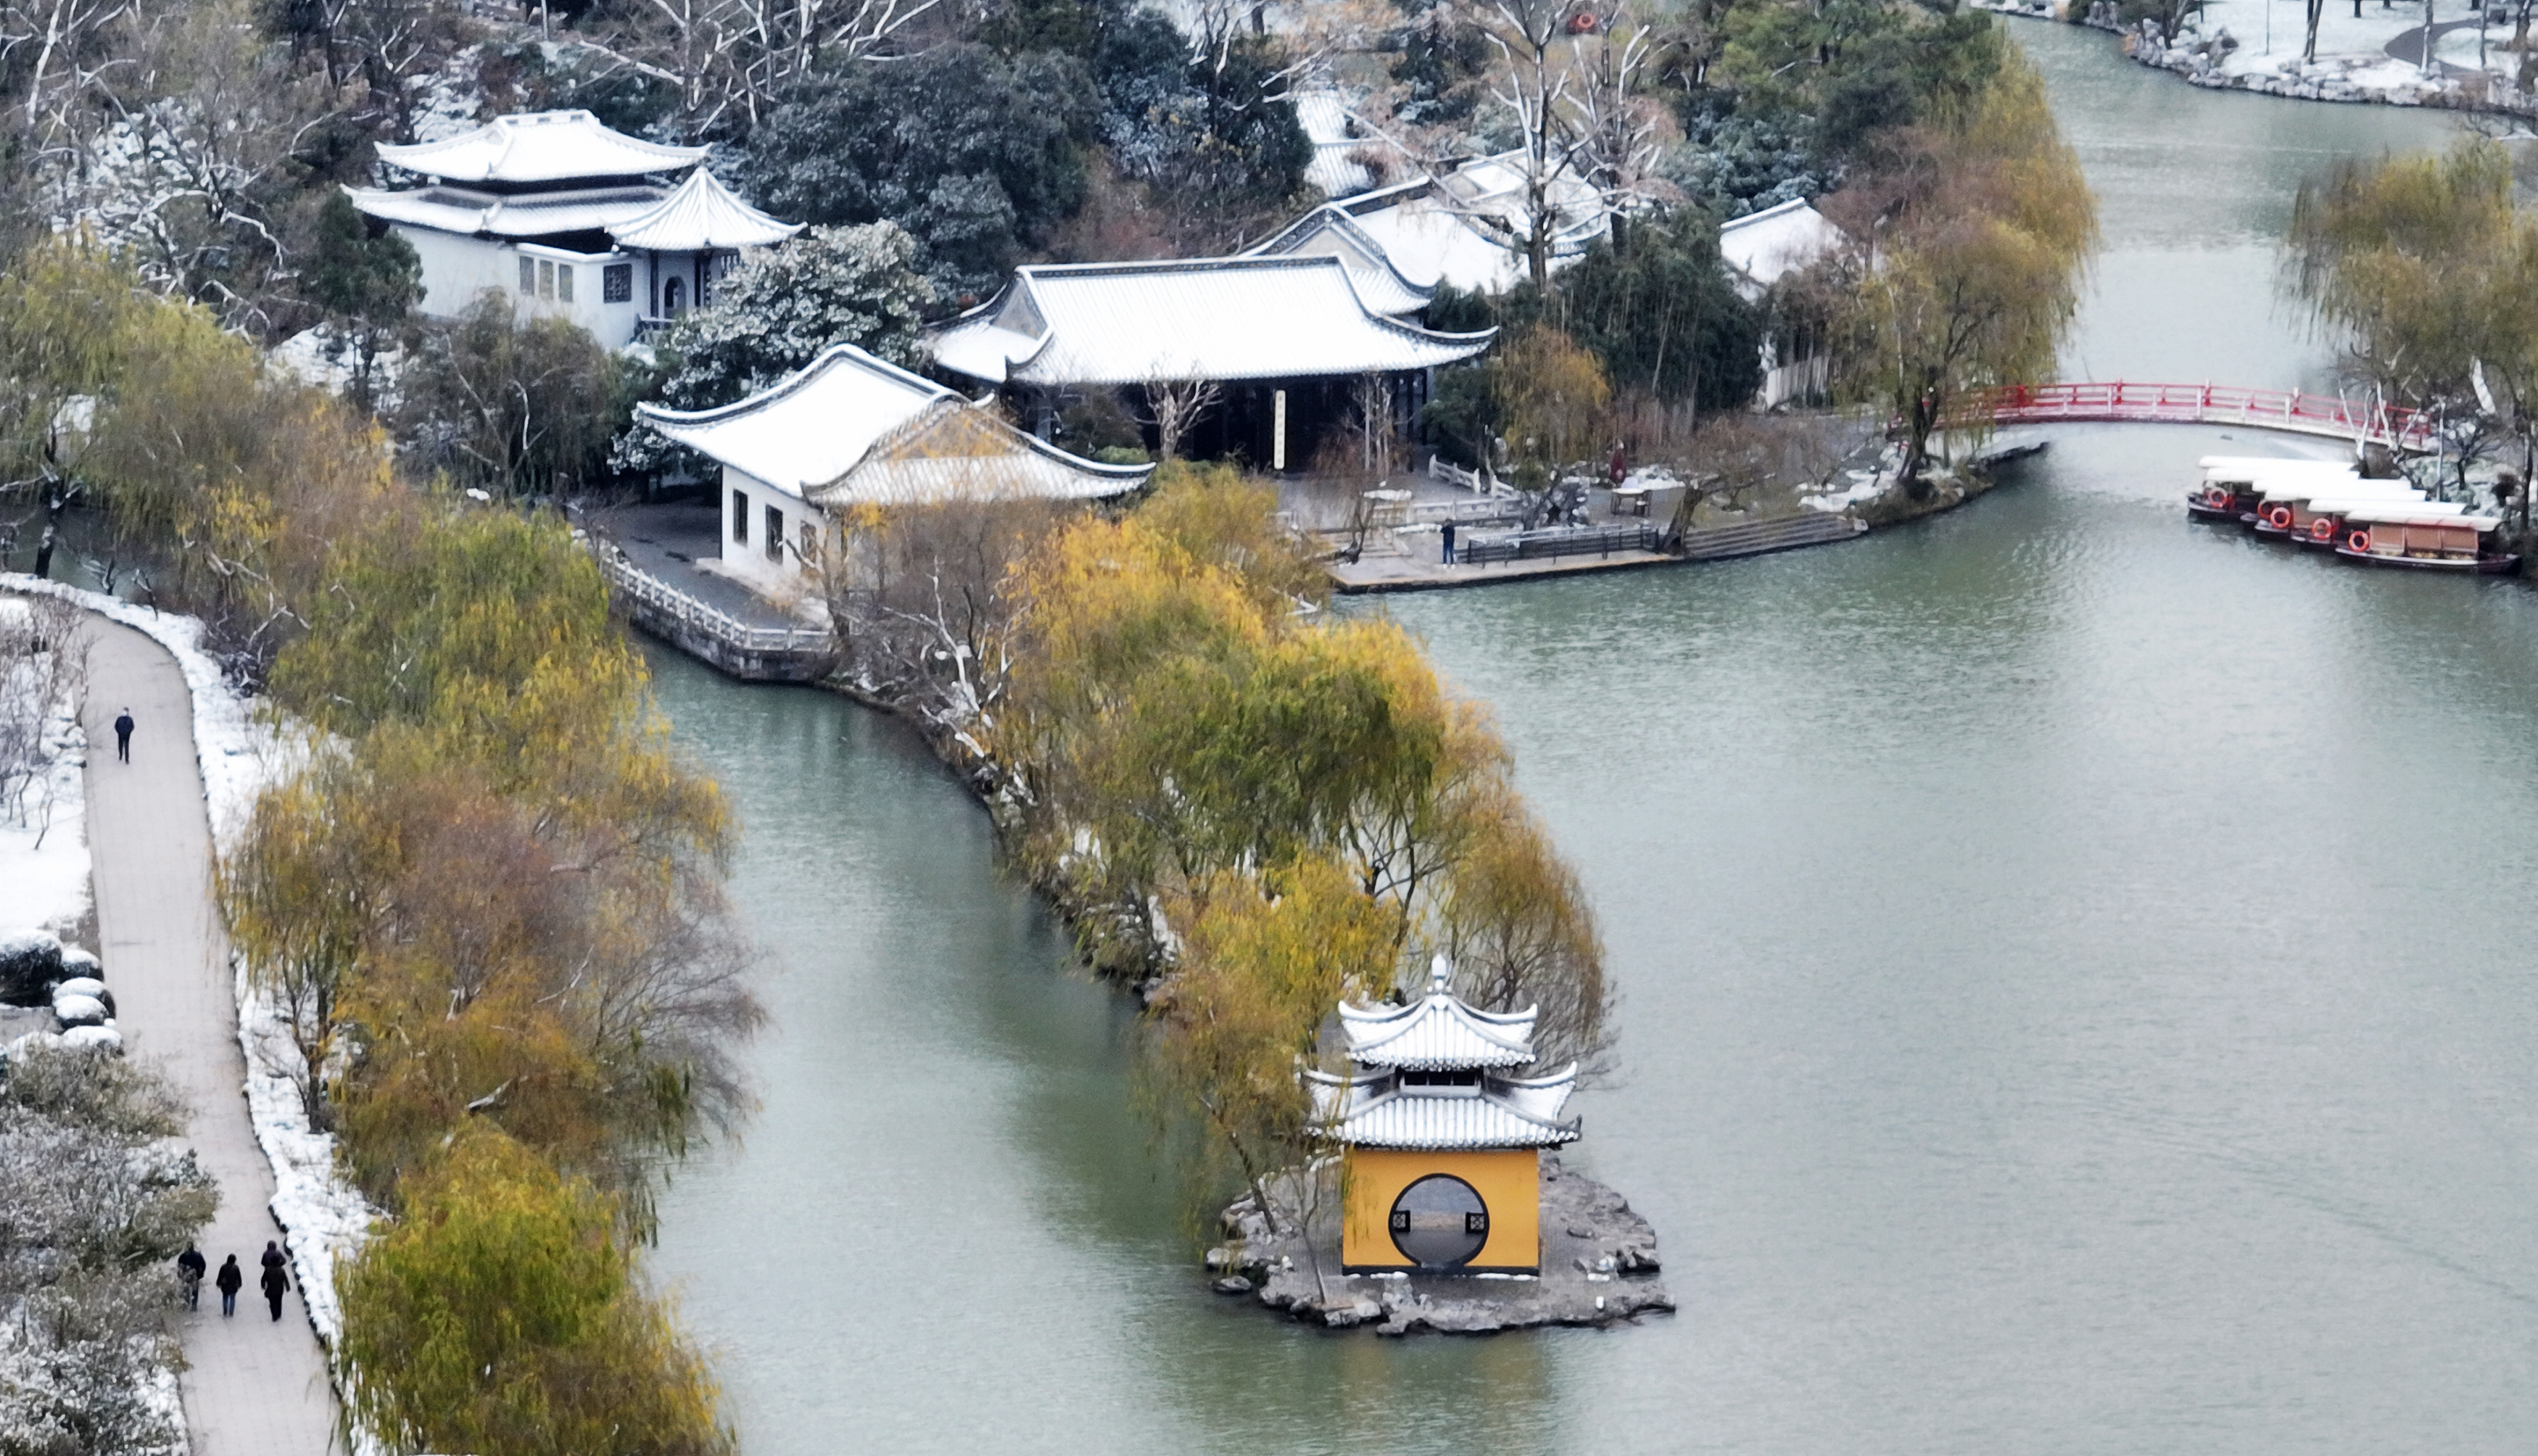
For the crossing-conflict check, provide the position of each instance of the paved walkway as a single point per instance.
(256, 1387)
(2408, 46)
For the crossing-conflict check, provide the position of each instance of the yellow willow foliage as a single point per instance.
(500, 1316)
(1983, 241)
(578, 987)
(2425, 267)
(1555, 393)
(488, 621)
(1263, 959)
(1515, 920)
(1221, 517)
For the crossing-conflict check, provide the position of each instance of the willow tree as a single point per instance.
(2425, 274)
(502, 1316)
(1967, 252)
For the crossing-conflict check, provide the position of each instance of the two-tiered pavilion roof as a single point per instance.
(1431, 1076)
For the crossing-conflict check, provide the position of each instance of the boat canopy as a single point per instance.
(2394, 512)
(2257, 472)
(2267, 464)
(2293, 493)
(2353, 509)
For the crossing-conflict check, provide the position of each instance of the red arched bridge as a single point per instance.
(2328, 415)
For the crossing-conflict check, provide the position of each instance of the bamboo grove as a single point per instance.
(488, 903)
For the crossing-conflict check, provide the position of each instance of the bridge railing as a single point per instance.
(2193, 404)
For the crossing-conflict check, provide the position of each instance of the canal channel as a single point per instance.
(2077, 977)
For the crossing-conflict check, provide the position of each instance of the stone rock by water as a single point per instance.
(1597, 1259)
(1232, 1284)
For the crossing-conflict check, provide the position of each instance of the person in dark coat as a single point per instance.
(275, 1282)
(190, 1273)
(229, 1282)
(274, 1257)
(1447, 531)
(123, 735)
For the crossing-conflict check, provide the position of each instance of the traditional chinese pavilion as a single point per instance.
(1285, 344)
(571, 218)
(1442, 1140)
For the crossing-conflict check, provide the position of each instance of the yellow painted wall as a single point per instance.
(1509, 1180)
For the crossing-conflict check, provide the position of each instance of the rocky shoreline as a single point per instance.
(2197, 58)
(1599, 1266)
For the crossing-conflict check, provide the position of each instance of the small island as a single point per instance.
(1444, 1208)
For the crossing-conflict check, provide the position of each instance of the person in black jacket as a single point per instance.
(190, 1273)
(229, 1282)
(123, 735)
(275, 1282)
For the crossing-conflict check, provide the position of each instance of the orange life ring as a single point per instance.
(2280, 515)
(2218, 498)
(2321, 529)
(2359, 541)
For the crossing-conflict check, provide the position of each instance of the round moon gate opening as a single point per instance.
(1440, 1222)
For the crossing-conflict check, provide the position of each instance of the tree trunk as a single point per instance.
(57, 505)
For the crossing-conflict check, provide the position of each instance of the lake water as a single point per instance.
(2076, 975)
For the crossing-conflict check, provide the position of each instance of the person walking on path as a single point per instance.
(123, 736)
(228, 1283)
(275, 1282)
(1448, 532)
(190, 1273)
(150, 848)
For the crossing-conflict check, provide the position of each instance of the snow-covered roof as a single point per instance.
(1323, 113)
(540, 147)
(1464, 227)
(1329, 230)
(702, 215)
(1381, 1110)
(1767, 246)
(1216, 318)
(850, 428)
(1437, 1031)
(469, 212)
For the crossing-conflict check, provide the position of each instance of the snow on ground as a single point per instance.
(1865, 485)
(2353, 63)
(323, 1218)
(44, 849)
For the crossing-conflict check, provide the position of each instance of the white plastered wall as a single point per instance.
(783, 577)
(456, 269)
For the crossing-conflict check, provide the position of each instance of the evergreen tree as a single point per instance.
(778, 311)
(367, 283)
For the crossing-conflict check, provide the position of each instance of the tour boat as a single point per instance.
(2280, 512)
(2233, 485)
(2319, 522)
(2397, 534)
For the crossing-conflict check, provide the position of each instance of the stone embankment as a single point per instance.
(1599, 1267)
(2206, 60)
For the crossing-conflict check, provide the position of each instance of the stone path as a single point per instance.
(256, 1387)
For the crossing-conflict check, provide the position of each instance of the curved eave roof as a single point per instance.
(540, 147)
(700, 215)
(1364, 1116)
(1383, 287)
(1216, 319)
(815, 433)
(536, 214)
(1436, 1033)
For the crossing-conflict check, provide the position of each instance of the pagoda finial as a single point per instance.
(1441, 975)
